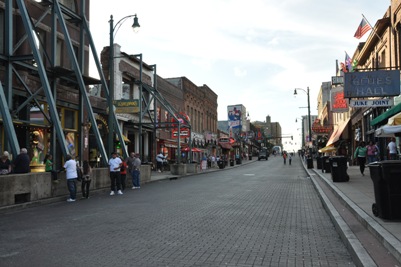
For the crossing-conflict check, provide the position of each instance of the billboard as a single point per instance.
(235, 114)
(379, 83)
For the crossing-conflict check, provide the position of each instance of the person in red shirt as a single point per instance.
(123, 173)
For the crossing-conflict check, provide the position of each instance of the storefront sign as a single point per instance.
(371, 103)
(335, 80)
(183, 133)
(379, 83)
(126, 106)
(338, 102)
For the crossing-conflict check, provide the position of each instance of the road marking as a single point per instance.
(249, 174)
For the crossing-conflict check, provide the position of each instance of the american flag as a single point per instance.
(363, 28)
(348, 62)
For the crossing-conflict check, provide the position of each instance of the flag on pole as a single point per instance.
(348, 62)
(363, 28)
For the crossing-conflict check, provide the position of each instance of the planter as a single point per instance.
(192, 167)
(178, 169)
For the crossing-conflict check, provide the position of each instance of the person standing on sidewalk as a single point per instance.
(371, 152)
(136, 172)
(86, 179)
(360, 154)
(123, 173)
(70, 167)
(115, 180)
(392, 149)
(160, 160)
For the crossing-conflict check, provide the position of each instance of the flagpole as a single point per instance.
(372, 28)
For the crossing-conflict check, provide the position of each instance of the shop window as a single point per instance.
(36, 115)
(70, 119)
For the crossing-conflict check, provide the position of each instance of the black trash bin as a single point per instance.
(309, 162)
(338, 167)
(250, 157)
(325, 164)
(318, 163)
(387, 187)
(238, 161)
(221, 164)
(231, 162)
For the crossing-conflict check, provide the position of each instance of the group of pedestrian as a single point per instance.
(371, 153)
(118, 169)
(21, 163)
(285, 156)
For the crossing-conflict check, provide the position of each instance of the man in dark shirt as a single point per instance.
(21, 162)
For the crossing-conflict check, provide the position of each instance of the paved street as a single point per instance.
(260, 214)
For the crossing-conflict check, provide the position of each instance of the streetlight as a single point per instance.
(309, 118)
(135, 27)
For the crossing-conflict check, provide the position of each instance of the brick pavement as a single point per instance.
(261, 214)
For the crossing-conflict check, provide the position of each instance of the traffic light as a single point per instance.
(118, 145)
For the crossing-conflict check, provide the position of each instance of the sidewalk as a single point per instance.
(358, 196)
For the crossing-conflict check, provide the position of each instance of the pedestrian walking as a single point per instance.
(377, 153)
(285, 158)
(371, 152)
(136, 172)
(123, 173)
(115, 179)
(70, 167)
(360, 154)
(392, 149)
(86, 179)
(289, 158)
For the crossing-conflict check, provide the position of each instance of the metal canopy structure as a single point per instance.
(15, 63)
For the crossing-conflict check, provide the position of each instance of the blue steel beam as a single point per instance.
(43, 77)
(8, 123)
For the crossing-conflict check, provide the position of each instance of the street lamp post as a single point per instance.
(135, 26)
(309, 118)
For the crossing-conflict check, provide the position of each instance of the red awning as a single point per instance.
(225, 145)
(194, 149)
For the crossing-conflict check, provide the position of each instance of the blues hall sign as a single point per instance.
(372, 84)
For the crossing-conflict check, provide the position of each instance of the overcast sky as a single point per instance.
(251, 52)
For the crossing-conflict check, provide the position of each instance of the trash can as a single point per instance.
(231, 162)
(387, 188)
(338, 167)
(238, 161)
(250, 157)
(325, 164)
(318, 163)
(221, 164)
(309, 162)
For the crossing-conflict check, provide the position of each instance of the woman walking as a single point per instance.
(360, 154)
(86, 179)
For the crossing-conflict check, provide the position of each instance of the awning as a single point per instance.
(327, 149)
(335, 136)
(395, 120)
(388, 131)
(194, 149)
(391, 112)
(225, 145)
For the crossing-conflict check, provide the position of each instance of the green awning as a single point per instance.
(389, 113)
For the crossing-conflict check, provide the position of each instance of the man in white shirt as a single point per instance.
(115, 165)
(392, 149)
(70, 167)
(160, 159)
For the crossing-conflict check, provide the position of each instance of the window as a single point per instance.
(70, 119)
(126, 91)
(69, 4)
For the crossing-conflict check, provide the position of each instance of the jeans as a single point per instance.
(371, 158)
(72, 188)
(85, 188)
(115, 180)
(393, 156)
(136, 178)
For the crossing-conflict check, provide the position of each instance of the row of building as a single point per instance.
(50, 104)
(362, 103)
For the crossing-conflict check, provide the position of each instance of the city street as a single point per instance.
(260, 214)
